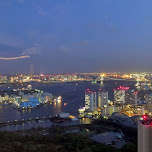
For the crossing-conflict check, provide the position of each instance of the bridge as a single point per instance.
(102, 78)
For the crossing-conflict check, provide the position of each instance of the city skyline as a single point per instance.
(75, 36)
(76, 75)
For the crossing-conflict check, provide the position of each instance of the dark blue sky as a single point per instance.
(76, 35)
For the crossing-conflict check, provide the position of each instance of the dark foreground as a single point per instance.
(66, 139)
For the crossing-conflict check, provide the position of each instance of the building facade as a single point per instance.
(145, 135)
(90, 101)
(119, 96)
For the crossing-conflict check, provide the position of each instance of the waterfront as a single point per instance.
(72, 94)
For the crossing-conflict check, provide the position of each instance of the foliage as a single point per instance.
(57, 141)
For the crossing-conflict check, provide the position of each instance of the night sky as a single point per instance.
(76, 35)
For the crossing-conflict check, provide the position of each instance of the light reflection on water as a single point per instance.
(71, 93)
(85, 121)
(44, 124)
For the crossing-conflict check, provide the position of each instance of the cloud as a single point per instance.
(62, 48)
(31, 51)
(41, 11)
(10, 40)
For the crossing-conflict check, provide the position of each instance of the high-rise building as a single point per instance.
(102, 98)
(131, 96)
(90, 101)
(87, 100)
(145, 135)
(99, 99)
(119, 94)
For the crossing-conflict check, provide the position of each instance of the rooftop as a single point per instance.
(146, 122)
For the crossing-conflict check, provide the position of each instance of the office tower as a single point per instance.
(94, 101)
(99, 99)
(87, 100)
(92, 98)
(145, 135)
(102, 98)
(148, 103)
(119, 94)
(131, 96)
(90, 101)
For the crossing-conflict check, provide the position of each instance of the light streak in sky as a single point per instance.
(14, 58)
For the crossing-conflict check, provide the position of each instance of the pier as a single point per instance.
(16, 122)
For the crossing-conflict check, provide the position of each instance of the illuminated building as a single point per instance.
(3, 79)
(99, 99)
(107, 110)
(90, 100)
(6, 97)
(33, 102)
(1, 99)
(87, 100)
(119, 95)
(145, 135)
(131, 96)
(93, 101)
(102, 98)
(81, 111)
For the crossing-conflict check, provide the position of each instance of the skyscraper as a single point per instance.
(99, 99)
(131, 96)
(145, 135)
(90, 101)
(93, 101)
(119, 94)
(102, 99)
(87, 100)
